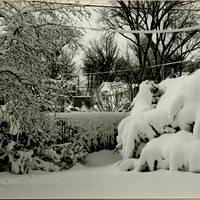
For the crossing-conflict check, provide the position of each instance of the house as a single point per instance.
(113, 90)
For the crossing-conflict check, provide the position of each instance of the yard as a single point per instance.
(99, 177)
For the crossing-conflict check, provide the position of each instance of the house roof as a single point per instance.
(112, 86)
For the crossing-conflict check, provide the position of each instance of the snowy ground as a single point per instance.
(99, 177)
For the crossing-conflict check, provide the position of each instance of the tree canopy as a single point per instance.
(99, 60)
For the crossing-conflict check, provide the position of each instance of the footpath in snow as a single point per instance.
(99, 177)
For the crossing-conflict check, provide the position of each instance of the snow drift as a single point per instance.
(99, 178)
(177, 108)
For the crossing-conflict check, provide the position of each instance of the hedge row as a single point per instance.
(98, 129)
(76, 135)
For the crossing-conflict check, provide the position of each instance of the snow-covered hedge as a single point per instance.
(74, 136)
(98, 129)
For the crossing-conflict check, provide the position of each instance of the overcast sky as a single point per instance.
(89, 35)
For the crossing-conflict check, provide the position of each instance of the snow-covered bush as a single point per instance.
(23, 152)
(65, 150)
(187, 112)
(17, 148)
(179, 151)
(141, 125)
(142, 102)
(177, 108)
(110, 102)
(13, 159)
(79, 133)
(59, 144)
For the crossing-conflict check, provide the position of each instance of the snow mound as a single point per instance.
(101, 158)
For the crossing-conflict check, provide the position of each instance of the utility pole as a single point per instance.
(78, 83)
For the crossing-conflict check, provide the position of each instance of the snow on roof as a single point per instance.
(112, 86)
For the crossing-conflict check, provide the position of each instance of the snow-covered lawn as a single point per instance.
(100, 177)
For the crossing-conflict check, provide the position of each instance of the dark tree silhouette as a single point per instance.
(99, 61)
(127, 71)
(156, 48)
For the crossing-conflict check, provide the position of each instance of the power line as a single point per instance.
(186, 29)
(192, 28)
(107, 6)
(112, 6)
(139, 68)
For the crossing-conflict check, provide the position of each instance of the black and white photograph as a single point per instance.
(99, 99)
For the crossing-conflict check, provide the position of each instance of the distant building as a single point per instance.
(113, 90)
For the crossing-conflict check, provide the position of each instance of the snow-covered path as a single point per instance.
(97, 179)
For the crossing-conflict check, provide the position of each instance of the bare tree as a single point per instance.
(127, 71)
(158, 48)
(99, 61)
